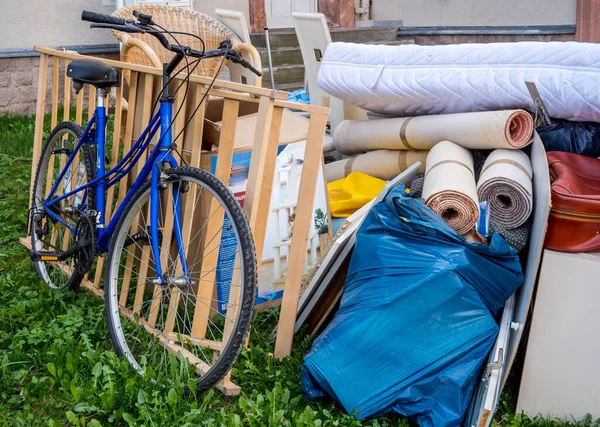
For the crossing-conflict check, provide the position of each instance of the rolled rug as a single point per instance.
(449, 188)
(506, 182)
(511, 129)
(382, 164)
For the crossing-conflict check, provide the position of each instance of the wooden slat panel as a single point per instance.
(215, 224)
(128, 138)
(239, 87)
(196, 128)
(306, 195)
(139, 121)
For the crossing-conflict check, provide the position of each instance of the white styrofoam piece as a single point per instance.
(561, 372)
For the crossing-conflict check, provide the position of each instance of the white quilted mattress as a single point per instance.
(411, 80)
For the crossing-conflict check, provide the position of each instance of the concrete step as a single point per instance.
(282, 56)
(279, 38)
(287, 38)
(285, 74)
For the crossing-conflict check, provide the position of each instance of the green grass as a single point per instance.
(57, 366)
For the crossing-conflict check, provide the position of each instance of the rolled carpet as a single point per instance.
(511, 129)
(506, 182)
(382, 164)
(449, 188)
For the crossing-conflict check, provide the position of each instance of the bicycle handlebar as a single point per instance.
(100, 20)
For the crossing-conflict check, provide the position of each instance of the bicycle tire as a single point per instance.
(244, 317)
(41, 267)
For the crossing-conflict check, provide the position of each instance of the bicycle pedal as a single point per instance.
(44, 256)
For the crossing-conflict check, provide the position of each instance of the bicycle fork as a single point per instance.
(159, 181)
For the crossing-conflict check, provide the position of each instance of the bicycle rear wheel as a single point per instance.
(193, 326)
(49, 235)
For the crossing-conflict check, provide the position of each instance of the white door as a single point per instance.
(279, 12)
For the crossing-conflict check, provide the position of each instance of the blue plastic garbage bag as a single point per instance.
(416, 320)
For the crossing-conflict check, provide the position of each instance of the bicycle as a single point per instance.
(153, 274)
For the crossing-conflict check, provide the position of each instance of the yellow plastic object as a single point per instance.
(349, 194)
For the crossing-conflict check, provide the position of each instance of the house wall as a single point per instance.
(26, 23)
(417, 13)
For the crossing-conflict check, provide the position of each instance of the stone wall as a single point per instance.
(19, 83)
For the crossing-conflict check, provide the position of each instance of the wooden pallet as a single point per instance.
(132, 104)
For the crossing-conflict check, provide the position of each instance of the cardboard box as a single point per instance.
(294, 127)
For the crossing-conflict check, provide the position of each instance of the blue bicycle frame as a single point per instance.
(159, 155)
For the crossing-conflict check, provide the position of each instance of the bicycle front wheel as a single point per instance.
(192, 326)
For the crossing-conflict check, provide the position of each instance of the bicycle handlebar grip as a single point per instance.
(247, 65)
(100, 18)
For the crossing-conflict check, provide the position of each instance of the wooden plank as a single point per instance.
(214, 345)
(257, 163)
(308, 183)
(91, 102)
(67, 94)
(314, 109)
(137, 123)
(39, 116)
(54, 119)
(238, 87)
(215, 223)
(79, 108)
(262, 187)
(197, 129)
(129, 124)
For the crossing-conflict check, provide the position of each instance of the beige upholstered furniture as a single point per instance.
(144, 49)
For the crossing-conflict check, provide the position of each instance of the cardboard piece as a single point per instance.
(294, 127)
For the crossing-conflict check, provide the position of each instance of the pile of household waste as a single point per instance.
(434, 258)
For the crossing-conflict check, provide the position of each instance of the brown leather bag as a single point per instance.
(574, 224)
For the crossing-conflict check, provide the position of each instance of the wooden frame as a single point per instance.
(139, 96)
